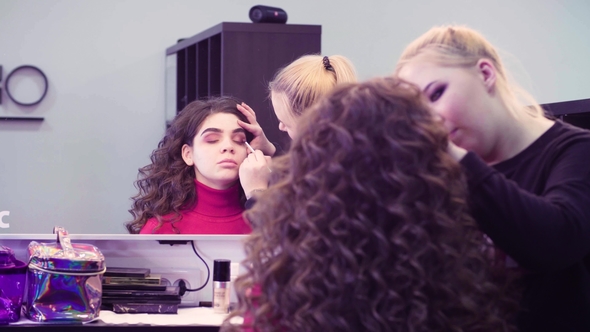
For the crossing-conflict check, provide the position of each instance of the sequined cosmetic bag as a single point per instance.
(64, 280)
(12, 285)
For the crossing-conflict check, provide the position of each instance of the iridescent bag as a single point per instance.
(12, 285)
(64, 280)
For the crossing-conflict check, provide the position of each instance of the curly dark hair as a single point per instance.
(367, 226)
(167, 185)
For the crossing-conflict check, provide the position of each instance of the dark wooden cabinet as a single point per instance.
(576, 112)
(237, 59)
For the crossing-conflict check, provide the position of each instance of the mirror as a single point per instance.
(105, 108)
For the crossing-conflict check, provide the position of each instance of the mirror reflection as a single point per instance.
(192, 184)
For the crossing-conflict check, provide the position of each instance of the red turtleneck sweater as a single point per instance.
(216, 212)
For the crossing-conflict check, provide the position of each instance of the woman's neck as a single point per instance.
(518, 133)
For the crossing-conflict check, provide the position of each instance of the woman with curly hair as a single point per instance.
(366, 227)
(192, 184)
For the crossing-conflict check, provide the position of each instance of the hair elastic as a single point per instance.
(327, 64)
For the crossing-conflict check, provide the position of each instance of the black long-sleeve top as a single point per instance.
(536, 207)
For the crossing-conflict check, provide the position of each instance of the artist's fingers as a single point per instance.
(248, 112)
(259, 155)
(252, 128)
(249, 109)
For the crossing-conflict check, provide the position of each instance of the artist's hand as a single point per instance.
(260, 142)
(255, 172)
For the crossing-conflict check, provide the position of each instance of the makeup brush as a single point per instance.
(252, 150)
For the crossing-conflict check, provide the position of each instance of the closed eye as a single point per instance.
(211, 138)
(437, 93)
(240, 138)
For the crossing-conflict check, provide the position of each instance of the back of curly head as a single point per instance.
(167, 185)
(366, 227)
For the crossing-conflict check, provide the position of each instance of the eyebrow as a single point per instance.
(217, 130)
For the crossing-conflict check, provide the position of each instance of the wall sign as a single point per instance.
(24, 69)
(2, 215)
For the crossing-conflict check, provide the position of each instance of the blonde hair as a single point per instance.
(306, 79)
(460, 46)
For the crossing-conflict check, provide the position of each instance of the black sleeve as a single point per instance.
(541, 232)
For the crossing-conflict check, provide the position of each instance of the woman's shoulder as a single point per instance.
(564, 137)
(562, 144)
(564, 130)
(558, 138)
(151, 227)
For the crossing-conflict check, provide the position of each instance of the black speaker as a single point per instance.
(265, 14)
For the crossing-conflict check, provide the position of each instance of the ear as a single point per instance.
(487, 72)
(187, 155)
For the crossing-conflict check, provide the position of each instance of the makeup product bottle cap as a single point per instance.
(221, 270)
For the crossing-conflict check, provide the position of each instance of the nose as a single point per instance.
(437, 112)
(282, 127)
(228, 146)
(439, 117)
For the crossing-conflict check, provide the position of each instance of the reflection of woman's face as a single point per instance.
(218, 150)
(283, 113)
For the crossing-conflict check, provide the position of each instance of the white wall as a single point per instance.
(104, 59)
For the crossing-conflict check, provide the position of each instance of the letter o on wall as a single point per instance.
(27, 72)
(2, 215)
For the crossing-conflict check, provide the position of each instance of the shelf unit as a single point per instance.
(576, 112)
(236, 59)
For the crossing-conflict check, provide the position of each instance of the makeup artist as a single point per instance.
(293, 89)
(528, 175)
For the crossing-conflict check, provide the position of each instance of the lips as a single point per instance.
(228, 162)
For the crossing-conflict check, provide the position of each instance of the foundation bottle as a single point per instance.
(221, 285)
